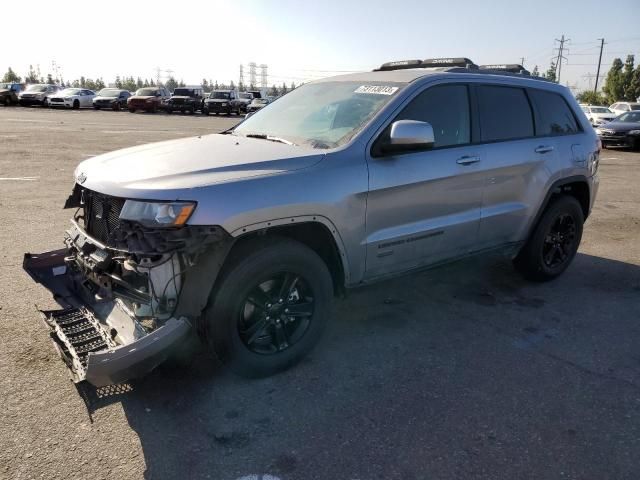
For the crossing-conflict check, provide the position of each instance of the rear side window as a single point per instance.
(504, 113)
(446, 108)
(554, 117)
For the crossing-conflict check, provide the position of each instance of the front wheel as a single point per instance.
(76, 104)
(269, 307)
(554, 242)
(132, 110)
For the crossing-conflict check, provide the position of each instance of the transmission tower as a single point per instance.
(252, 73)
(263, 76)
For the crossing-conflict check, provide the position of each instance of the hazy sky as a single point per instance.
(301, 40)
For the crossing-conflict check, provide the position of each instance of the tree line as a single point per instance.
(130, 83)
(622, 83)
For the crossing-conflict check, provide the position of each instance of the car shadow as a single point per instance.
(408, 376)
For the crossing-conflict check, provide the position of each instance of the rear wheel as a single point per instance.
(6, 101)
(116, 106)
(269, 306)
(554, 242)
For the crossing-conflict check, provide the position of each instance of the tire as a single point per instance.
(169, 111)
(116, 106)
(6, 101)
(76, 104)
(132, 110)
(96, 107)
(554, 242)
(205, 112)
(280, 342)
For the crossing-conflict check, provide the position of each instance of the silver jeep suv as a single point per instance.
(245, 237)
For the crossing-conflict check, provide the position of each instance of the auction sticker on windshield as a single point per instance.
(376, 89)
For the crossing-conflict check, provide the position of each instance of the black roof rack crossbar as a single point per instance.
(428, 63)
(506, 67)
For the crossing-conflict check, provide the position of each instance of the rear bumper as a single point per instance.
(85, 332)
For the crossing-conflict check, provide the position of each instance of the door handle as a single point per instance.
(544, 149)
(468, 160)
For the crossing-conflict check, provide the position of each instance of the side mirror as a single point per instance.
(408, 136)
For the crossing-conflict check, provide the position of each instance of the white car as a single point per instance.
(72, 98)
(597, 115)
(619, 108)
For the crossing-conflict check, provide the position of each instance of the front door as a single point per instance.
(424, 207)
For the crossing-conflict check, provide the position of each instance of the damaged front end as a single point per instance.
(130, 292)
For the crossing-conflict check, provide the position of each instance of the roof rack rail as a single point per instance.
(506, 67)
(428, 63)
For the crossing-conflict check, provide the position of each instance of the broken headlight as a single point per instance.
(157, 214)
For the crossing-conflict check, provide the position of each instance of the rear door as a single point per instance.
(515, 163)
(424, 207)
(557, 124)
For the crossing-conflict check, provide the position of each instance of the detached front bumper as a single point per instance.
(99, 341)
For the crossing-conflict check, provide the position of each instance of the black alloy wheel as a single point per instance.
(269, 306)
(276, 313)
(559, 242)
(554, 241)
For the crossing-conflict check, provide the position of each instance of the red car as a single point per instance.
(149, 99)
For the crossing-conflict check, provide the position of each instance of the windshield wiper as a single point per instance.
(271, 138)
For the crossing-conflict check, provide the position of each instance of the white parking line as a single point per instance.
(20, 179)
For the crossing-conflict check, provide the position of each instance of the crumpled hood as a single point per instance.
(188, 163)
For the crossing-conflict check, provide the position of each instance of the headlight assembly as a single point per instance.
(157, 214)
(634, 132)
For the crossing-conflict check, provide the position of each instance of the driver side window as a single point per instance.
(446, 108)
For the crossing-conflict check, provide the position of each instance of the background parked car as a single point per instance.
(256, 104)
(149, 99)
(186, 99)
(624, 130)
(619, 108)
(72, 98)
(243, 101)
(114, 98)
(9, 93)
(221, 101)
(597, 115)
(37, 94)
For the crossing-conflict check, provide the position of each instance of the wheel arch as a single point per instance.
(315, 231)
(576, 186)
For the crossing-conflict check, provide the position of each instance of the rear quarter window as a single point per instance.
(553, 115)
(504, 113)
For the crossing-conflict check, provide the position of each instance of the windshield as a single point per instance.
(260, 101)
(70, 91)
(323, 115)
(109, 92)
(5, 85)
(629, 117)
(36, 88)
(220, 95)
(146, 92)
(635, 107)
(600, 110)
(185, 92)
(247, 96)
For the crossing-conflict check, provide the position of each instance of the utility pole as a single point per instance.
(562, 41)
(595, 90)
(522, 61)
